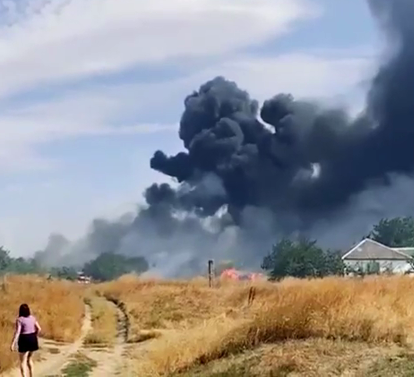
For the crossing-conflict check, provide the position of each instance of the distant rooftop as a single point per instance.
(369, 249)
(406, 250)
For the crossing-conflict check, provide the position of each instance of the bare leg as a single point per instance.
(23, 363)
(30, 364)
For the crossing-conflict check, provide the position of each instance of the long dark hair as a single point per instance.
(24, 310)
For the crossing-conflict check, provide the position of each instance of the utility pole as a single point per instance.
(4, 283)
(210, 273)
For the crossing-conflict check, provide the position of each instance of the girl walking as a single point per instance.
(25, 337)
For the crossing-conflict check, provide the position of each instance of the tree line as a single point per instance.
(297, 258)
(105, 267)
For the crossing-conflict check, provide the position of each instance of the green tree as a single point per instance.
(68, 273)
(5, 259)
(110, 266)
(395, 232)
(23, 266)
(301, 259)
(17, 265)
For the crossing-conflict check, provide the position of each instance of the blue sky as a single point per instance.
(89, 89)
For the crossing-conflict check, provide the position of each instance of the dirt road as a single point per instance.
(57, 358)
(55, 354)
(109, 360)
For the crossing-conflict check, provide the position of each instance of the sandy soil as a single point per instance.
(110, 360)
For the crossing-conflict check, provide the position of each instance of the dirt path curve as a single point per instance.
(54, 355)
(110, 360)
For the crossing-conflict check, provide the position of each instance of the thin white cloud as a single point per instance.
(94, 110)
(301, 74)
(21, 153)
(60, 39)
(307, 74)
(44, 42)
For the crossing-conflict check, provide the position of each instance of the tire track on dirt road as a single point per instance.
(110, 361)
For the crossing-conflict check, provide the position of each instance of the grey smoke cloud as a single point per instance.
(250, 174)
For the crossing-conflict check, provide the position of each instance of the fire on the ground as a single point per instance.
(233, 274)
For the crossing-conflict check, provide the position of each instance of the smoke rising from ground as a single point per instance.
(247, 176)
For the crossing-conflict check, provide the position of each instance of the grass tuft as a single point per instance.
(79, 366)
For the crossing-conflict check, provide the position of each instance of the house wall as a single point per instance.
(384, 265)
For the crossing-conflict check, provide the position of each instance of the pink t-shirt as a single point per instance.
(28, 324)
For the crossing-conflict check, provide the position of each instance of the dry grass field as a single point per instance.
(328, 327)
(58, 306)
(296, 327)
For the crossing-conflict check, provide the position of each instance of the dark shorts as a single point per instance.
(28, 343)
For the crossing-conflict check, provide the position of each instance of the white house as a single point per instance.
(371, 256)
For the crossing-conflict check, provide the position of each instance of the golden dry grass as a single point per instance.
(104, 322)
(311, 358)
(57, 305)
(159, 304)
(210, 324)
(295, 327)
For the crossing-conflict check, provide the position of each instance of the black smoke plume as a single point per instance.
(250, 173)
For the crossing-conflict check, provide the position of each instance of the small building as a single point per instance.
(83, 279)
(373, 257)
